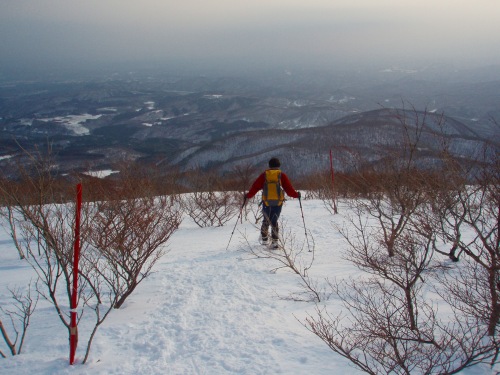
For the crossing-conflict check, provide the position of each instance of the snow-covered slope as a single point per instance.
(205, 310)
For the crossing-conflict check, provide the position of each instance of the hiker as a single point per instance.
(272, 182)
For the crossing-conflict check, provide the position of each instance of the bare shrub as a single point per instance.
(209, 204)
(128, 229)
(291, 255)
(476, 210)
(396, 185)
(253, 210)
(412, 259)
(390, 323)
(130, 233)
(45, 232)
(319, 186)
(242, 177)
(373, 333)
(10, 227)
(466, 215)
(121, 238)
(212, 208)
(19, 317)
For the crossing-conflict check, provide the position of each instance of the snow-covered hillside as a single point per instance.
(205, 310)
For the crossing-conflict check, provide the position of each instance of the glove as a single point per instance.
(300, 195)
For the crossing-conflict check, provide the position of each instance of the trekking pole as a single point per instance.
(240, 215)
(304, 221)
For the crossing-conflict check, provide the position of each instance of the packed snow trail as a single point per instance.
(216, 312)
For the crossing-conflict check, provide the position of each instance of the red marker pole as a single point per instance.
(333, 183)
(73, 338)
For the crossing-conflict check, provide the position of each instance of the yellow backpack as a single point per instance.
(272, 193)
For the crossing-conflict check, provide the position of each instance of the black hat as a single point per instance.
(274, 163)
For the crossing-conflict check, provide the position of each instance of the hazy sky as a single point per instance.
(319, 33)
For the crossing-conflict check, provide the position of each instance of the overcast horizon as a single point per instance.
(260, 34)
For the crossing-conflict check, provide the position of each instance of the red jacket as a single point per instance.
(260, 181)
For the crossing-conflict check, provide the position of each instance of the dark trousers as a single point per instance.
(271, 216)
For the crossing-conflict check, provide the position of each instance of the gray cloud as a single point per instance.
(316, 33)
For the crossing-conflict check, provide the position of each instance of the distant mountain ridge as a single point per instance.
(219, 123)
(366, 136)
